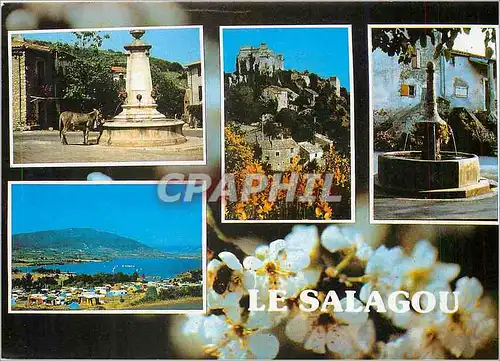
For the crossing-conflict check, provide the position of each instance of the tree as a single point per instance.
(87, 77)
(240, 105)
(402, 41)
(151, 294)
(169, 96)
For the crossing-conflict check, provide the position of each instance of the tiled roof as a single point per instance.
(465, 53)
(21, 43)
(271, 144)
(118, 69)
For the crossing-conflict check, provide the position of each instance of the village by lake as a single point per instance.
(151, 268)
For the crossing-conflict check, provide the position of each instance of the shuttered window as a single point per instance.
(404, 90)
(407, 90)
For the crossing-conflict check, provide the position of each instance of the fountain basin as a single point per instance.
(455, 175)
(143, 133)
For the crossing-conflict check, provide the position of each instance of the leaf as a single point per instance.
(437, 51)
(489, 52)
(447, 54)
(466, 30)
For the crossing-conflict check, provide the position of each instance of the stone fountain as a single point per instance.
(430, 172)
(140, 123)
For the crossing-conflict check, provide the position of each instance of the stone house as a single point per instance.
(335, 83)
(466, 80)
(33, 85)
(310, 152)
(311, 96)
(259, 59)
(278, 94)
(119, 73)
(278, 153)
(194, 91)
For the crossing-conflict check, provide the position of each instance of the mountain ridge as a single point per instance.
(79, 244)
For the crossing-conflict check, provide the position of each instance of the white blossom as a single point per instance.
(346, 334)
(335, 239)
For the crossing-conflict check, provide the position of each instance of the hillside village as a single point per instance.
(285, 113)
(53, 289)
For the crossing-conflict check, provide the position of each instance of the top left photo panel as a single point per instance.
(104, 97)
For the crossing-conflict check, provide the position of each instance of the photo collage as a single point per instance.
(280, 180)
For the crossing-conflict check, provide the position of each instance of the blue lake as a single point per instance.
(150, 267)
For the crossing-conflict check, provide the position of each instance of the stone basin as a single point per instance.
(406, 171)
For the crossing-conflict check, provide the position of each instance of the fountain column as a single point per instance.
(140, 123)
(429, 127)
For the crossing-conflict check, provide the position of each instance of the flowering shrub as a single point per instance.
(237, 325)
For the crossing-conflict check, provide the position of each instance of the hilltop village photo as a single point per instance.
(287, 110)
(137, 96)
(94, 259)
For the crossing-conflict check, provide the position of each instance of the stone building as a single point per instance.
(466, 80)
(194, 92)
(335, 83)
(33, 85)
(260, 60)
(310, 152)
(119, 73)
(278, 94)
(278, 153)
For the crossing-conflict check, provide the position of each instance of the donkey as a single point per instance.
(80, 121)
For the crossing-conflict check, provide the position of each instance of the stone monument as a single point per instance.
(140, 123)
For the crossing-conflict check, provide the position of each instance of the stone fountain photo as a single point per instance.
(429, 165)
(140, 123)
(137, 95)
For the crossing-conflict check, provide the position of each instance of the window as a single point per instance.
(461, 91)
(199, 70)
(291, 150)
(277, 154)
(200, 93)
(415, 60)
(407, 90)
(40, 72)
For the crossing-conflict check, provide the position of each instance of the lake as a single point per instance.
(150, 267)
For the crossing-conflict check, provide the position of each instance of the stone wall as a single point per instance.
(18, 99)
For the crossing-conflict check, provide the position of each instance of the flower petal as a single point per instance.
(334, 240)
(351, 318)
(424, 255)
(470, 291)
(231, 261)
(316, 342)
(297, 328)
(340, 341)
(252, 263)
(264, 346)
(275, 248)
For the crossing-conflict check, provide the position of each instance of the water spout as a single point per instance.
(453, 137)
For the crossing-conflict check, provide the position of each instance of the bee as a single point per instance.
(222, 280)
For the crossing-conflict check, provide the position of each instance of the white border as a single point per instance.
(203, 161)
(351, 124)
(106, 312)
(371, 151)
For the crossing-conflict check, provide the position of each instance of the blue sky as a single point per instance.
(128, 210)
(180, 45)
(324, 51)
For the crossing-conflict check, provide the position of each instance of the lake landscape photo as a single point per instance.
(127, 250)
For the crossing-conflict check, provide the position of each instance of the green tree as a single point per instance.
(87, 77)
(240, 105)
(151, 294)
(169, 96)
(402, 41)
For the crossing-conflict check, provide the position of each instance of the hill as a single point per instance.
(77, 244)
